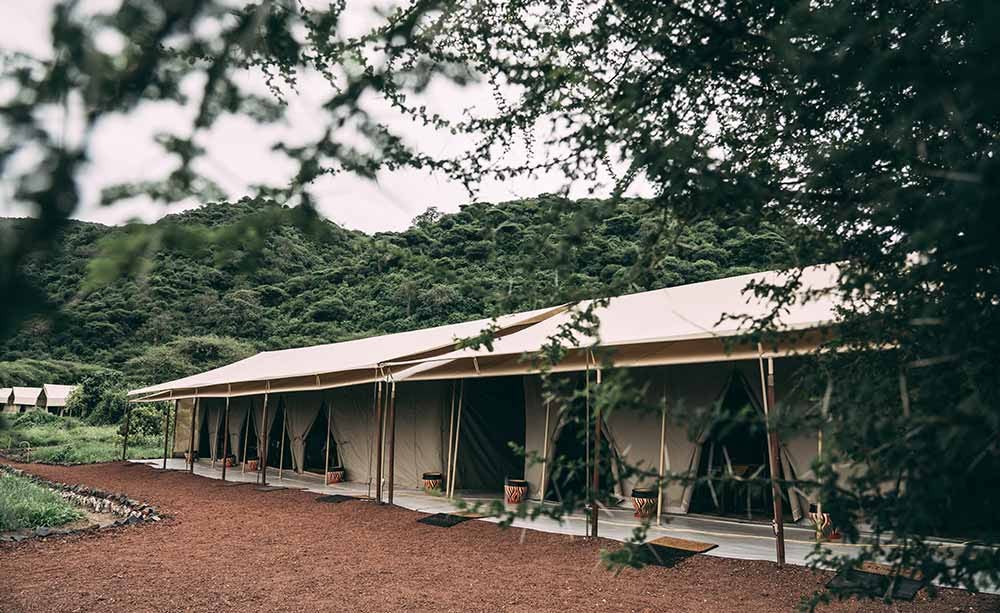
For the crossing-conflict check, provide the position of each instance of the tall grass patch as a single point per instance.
(25, 504)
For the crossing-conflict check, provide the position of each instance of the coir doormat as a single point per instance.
(446, 520)
(335, 498)
(862, 583)
(668, 551)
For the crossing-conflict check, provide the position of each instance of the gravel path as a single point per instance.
(232, 548)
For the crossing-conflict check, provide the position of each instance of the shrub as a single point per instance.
(144, 421)
(36, 417)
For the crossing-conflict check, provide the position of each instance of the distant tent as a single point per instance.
(54, 397)
(25, 398)
(7, 400)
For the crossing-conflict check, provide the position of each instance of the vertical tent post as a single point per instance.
(451, 434)
(773, 450)
(266, 435)
(596, 480)
(194, 412)
(378, 441)
(173, 435)
(458, 437)
(166, 432)
(663, 441)
(246, 439)
(281, 452)
(545, 453)
(225, 436)
(326, 463)
(128, 414)
(391, 427)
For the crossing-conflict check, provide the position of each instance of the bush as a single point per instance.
(100, 398)
(25, 504)
(36, 417)
(144, 421)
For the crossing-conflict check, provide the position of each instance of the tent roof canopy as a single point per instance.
(26, 395)
(308, 364)
(659, 322)
(683, 324)
(57, 395)
(5, 394)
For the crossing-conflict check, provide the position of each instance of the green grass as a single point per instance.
(25, 504)
(67, 440)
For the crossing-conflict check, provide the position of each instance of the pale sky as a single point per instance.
(238, 149)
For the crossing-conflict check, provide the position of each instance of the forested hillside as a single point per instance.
(283, 284)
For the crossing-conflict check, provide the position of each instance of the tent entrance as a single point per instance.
(277, 441)
(315, 453)
(492, 419)
(210, 435)
(736, 447)
(569, 476)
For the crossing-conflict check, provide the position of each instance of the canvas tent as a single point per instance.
(676, 339)
(7, 400)
(54, 397)
(25, 398)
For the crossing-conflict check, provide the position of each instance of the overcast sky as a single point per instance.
(238, 152)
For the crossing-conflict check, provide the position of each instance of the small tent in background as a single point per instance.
(7, 400)
(54, 397)
(25, 398)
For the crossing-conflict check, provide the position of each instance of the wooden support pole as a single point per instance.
(173, 436)
(194, 413)
(660, 472)
(774, 450)
(392, 441)
(326, 462)
(451, 434)
(225, 437)
(458, 437)
(266, 435)
(545, 454)
(246, 441)
(166, 433)
(596, 479)
(128, 415)
(378, 442)
(281, 452)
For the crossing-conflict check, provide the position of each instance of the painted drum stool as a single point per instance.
(433, 482)
(644, 502)
(335, 475)
(515, 491)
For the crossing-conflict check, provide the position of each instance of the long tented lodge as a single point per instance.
(394, 410)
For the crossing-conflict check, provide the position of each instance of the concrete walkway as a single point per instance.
(735, 539)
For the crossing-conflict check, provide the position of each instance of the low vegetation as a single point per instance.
(67, 440)
(24, 504)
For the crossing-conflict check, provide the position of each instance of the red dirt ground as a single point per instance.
(236, 549)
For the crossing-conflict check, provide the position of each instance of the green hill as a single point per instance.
(168, 302)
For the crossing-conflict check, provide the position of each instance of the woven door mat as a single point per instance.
(335, 498)
(446, 520)
(683, 544)
(862, 583)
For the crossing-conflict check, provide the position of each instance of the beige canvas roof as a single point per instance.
(26, 395)
(684, 324)
(331, 365)
(5, 393)
(57, 395)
